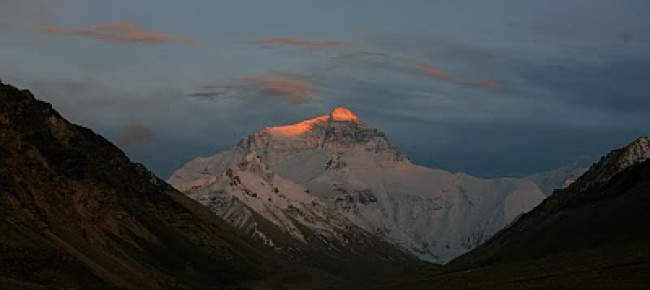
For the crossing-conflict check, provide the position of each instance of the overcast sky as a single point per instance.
(492, 88)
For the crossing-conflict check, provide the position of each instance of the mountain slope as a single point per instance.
(549, 181)
(285, 216)
(353, 169)
(590, 234)
(597, 199)
(77, 213)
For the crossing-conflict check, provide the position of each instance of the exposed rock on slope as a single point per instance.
(607, 204)
(77, 213)
(613, 163)
(285, 216)
(351, 168)
(592, 234)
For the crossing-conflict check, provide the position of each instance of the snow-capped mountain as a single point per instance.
(261, 203)
(341, 164)
(549, 181)
(604, 211)
(615, 162)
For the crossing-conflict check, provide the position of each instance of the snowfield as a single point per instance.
(336, 172)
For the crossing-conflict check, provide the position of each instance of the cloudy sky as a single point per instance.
(492, 88)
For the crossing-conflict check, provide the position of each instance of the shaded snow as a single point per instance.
(549, 181)
(250, 186)
(351, 168)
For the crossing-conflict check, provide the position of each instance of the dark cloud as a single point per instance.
(293, 89)
(443, 50)
(292, 41)
(486, 84)
(505, 145)
(135, 135)
(513, 87)
(404, 66)
(165, 157)
(297, 91)
(207, 94)
(617, 87)
(439, 74)
(98, 105)
(121, 32)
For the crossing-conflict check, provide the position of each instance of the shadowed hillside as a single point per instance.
(592, 234)
(76, 212)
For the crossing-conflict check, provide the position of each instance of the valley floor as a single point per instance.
(621, 266)
(350, 275)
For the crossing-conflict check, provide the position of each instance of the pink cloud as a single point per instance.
(121, 32)
(295, 90)
(434, 72)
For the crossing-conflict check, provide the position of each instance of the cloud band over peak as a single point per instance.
(292, 41)
(120, 32)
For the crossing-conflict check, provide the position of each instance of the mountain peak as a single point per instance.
(640, 144)
(615, 162)
(637, 152)
(298, 128)
(342, 114)
(339, 114)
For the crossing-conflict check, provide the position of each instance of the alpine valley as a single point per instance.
(76, 213)
(590, 235)
(327, 203)
(337, 180)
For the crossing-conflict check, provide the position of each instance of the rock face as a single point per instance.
(604, 212)
(77, 213)
(615, 162)
(283, 215)
(348, 169)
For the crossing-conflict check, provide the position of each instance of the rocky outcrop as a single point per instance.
(352, 169)
(605, 207)
(76, 213)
